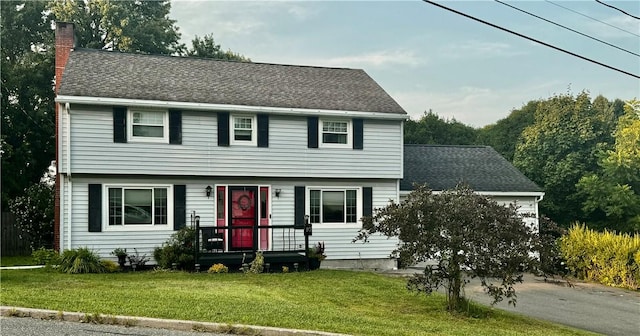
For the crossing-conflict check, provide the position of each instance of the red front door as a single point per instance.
(243, 217)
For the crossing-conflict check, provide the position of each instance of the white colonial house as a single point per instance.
(147, 143)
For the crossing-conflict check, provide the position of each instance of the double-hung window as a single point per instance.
(139, 206)
(148, 125)
(335, 133)
(243, 130)
(334, 205)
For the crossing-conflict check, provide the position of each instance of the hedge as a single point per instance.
(606, 257)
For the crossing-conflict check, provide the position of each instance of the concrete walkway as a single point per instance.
(20, 267)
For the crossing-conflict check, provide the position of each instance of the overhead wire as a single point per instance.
(532, 39)
(592, 18)
(565, 27)
(618, 9)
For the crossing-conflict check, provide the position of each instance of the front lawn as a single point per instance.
(358, 303)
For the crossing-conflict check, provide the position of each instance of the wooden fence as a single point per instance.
(10, 243)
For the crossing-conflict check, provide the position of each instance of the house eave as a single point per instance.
(225, 107)
(493, 193)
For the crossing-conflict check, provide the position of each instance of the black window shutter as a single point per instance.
(312, 132)
(179, 206)
(263, 130)
(119, 124)
(299, 206)
(357, 134)
(367, 201)
(175, 127)
(95, 208)
(223, 128)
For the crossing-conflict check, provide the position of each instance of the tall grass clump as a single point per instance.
(80, 260)
(606, 257)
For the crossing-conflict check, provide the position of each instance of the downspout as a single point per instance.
(67, 109)
(538, 200)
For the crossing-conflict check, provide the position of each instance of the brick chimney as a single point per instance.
(63, 45)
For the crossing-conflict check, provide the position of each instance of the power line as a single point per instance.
(531, 39)
(565, 27)
(618, 9)
(592, 18)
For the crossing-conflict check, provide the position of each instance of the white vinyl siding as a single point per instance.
(94, 152)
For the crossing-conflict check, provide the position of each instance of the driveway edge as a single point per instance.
(148, 322)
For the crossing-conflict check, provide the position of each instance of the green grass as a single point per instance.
(357, 303)
(16, 261)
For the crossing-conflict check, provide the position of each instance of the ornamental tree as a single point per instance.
(465, 235)
(34, 211)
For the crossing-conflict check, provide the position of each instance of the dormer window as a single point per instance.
(148, 126)
(243, 130)
(335, 133)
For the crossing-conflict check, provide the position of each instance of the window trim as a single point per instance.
(349, 133)
(359, 205)
(254, 131)
(137, 227)
(165, 126)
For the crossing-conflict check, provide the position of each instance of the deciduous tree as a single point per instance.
(129, 26)
(27, 141)
(431, 129)
(465, 234)
(206, 47)
(506, 133)
(561, 147)
(615, 190)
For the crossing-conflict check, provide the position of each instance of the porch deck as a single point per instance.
(213, 246)
(275, 259)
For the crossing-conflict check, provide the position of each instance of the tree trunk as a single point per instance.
(455, 284)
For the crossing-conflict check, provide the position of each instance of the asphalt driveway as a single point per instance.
(593, 307)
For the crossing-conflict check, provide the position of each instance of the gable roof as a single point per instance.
(106, 74)
(443, 167)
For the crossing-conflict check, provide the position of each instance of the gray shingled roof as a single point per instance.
(95, 73)
(443, 167)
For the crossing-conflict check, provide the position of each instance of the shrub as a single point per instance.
(43, 256)
(178, 249)
(606, 257)
(136, 260)
(81, 260)
(218, 268)
(257, 265)
(34, 211)
(110, 266)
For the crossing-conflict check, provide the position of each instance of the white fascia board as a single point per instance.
(493, 193)
(223, 107)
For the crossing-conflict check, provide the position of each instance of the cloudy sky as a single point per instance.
(428, 58)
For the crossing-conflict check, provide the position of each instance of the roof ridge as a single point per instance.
(212, 59)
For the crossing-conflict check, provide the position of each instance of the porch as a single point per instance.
(236, 245)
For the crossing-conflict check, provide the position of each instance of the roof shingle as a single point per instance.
(94, 73)
(443, 167)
